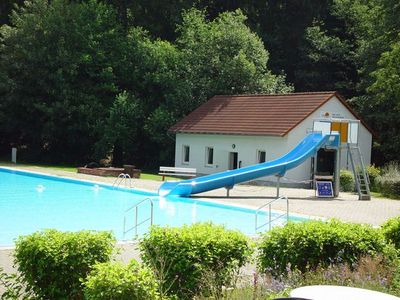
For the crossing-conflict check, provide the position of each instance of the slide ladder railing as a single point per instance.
(124, 179)
(361, 177)
(270, 218)
(136, 222)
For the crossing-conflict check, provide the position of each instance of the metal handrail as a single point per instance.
(270, 220)
(136, 208)
(120, 178)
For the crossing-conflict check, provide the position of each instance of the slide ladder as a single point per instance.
(361, 177)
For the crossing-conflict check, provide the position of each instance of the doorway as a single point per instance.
(342, 128)
(325, 162)
(233, 160)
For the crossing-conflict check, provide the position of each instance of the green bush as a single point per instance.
(310, 244)
(391, 231)
(53, 263)
(194, 260)
(120, 282)
(389, 180)
(373, 174)
(346, 181)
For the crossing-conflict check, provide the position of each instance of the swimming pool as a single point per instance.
(32, 201)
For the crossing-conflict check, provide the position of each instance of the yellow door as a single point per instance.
(342, 128)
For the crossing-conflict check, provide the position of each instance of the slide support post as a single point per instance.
(336, 186)
(277, 186)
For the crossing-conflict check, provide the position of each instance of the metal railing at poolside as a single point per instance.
(136, 215)
(270, 219)
(123, 178)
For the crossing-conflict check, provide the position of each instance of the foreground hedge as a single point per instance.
(194, 260)
(310, 244)
(391, 231)
(53, 263)
(116, 281)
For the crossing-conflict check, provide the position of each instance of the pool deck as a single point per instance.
(347, 207)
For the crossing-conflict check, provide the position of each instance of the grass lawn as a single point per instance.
(44, 166)
(149, 175)
(146, 174)
(377, 195)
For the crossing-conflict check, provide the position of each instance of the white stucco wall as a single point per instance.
(247, 146)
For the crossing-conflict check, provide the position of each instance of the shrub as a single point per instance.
(391, 231)
(346, 181)
(389, 180)
(194, 260)
(307, 245)
(52, 263)
(119, 282)
(373, 174)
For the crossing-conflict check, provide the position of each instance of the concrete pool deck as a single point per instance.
(347, 207)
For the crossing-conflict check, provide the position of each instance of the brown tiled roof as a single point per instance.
(272, 115)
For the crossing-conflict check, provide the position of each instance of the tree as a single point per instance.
(121, 129)
(61, 60)
(6, 7)
(214, 57)
(376, 27)
(386, 90)
(224, 56)
(327, 63)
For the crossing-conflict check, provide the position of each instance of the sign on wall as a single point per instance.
(331, 115)
(324, 189)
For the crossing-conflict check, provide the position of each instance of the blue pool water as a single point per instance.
(31, 202)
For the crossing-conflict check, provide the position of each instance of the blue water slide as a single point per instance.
(305, 149)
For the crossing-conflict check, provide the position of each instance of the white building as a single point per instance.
(229, 132)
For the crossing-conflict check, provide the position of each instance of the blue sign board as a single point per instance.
(324, 189)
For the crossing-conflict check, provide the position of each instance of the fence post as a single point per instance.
(14, 155)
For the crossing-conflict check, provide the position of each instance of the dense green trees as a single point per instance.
(79, 85)
(376, 27)
(60, 61)
(83, 79)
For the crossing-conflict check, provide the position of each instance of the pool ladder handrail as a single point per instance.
(126, 178)
(136, 208)
(270, 220)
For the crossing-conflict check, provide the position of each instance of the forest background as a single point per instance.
(83, 80)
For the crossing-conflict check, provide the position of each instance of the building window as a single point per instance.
(209, 156)
(261, 156)
(186, 154)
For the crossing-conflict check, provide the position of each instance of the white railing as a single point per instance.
(270, 219)
(123, 178)
(136, 216)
